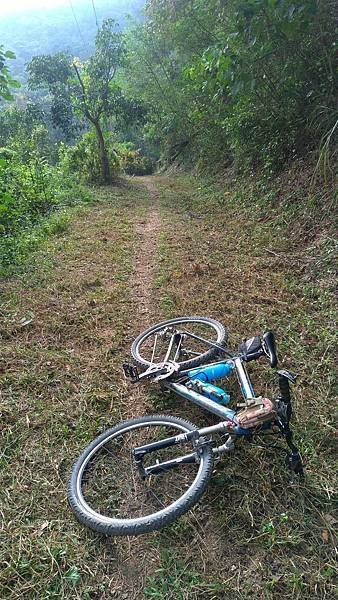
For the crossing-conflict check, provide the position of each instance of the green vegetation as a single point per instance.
(234, 102)
(246, 81)
(6, 81)
(31, 189)
(87, 89)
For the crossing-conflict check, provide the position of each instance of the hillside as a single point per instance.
(181, 164)
(70, 27)
(124, 263)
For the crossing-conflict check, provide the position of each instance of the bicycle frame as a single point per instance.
(226, 426)
(212, 405)
(208, 373)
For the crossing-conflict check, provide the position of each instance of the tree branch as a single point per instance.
(86, 109)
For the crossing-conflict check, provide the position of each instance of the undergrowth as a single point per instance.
(258, 253)
(65, 332)
(34, 198)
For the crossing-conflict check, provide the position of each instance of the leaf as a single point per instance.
(325, 536)
(72, 575)
(6, 95)
(237, 87)
(14, 83)
(10, 54)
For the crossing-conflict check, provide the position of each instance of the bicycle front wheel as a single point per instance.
(108, 494)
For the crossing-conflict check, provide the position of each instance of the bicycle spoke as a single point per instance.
(158, 345)
(113, 486)
(154, 348)
(178, 350)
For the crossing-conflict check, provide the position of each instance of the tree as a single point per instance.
(86, 89)
(6, 81)
(250, 81)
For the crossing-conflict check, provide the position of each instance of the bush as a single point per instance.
(132, 161)
(32, 189)
(31, 193)
(83, 160)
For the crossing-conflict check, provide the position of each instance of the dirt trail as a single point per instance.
(151, 187)
(146, 230)
(145, 258)
(133, 556)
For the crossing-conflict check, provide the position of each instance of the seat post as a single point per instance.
(243, 379)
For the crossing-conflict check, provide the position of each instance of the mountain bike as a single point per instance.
(146, 472)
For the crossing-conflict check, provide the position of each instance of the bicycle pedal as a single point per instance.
(131, 372)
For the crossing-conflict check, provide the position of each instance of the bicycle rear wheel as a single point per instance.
(107, 493)
(152, 344)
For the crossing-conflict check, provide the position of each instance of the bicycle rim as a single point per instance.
(152, 345)
(111, 493)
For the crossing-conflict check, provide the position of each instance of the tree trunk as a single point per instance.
(104, 159)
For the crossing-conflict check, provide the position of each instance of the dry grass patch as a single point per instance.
(221, 256)
(61, 385)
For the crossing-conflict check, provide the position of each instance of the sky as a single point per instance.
(7, 7)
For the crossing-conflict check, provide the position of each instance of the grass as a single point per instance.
(256, 268)
(172, 578)
(59, 389)
(67, 320)
(20, 246)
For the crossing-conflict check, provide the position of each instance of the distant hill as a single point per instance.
(53, 29)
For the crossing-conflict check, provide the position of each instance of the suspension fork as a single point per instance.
(195, 436)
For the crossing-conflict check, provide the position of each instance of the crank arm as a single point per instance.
(151, 373)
